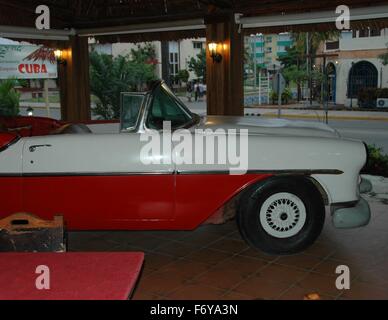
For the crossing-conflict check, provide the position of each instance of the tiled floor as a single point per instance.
(213, 262)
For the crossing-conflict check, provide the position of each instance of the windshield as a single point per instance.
(166, 107)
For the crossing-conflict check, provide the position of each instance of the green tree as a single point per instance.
(295, 61)
(144, 53)
(9, 98)
(293, 57)
(198, 65)
(293, 73)
(315, 39)
(110, 76)
(183, 76)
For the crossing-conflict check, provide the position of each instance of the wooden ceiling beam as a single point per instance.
(220, 4)
(88, 23)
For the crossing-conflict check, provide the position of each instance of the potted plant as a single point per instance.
(9, 98)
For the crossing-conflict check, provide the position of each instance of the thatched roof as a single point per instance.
(89, 14)
(101, 13)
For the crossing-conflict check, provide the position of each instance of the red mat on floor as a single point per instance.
(73, 276)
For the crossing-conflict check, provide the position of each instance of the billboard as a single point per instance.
(27, 62)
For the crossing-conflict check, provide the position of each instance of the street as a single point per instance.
(372, 132)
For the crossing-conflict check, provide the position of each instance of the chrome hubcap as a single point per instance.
(283, 215)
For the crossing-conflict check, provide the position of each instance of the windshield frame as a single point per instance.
(135, 127)
(194, 118)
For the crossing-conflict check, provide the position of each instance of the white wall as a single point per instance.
(343, 69)
(187, 51)
(348, 43)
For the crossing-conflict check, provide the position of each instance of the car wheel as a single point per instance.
(281, 215)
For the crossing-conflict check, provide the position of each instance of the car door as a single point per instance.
(97, 181)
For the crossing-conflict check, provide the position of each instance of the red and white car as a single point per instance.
(100, 181)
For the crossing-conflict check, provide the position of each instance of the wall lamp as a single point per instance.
(59, 56)
(30, 111)
(216, 56)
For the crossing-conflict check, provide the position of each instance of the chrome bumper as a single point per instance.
(355, 216)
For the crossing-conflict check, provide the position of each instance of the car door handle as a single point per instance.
(34, 147)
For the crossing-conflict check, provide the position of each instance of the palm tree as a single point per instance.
(308, 43)
(315, 39)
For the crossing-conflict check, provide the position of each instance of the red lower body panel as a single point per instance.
(199, 196)
(126, 202)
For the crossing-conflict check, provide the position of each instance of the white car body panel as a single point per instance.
(274, 145)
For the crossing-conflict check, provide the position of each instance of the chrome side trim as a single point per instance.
(149, 173)
(82, 174)
(277, 172)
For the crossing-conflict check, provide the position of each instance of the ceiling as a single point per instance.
(83, 14)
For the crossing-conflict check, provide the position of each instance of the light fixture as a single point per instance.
(30, 111)
(59, 56)
(217, 57)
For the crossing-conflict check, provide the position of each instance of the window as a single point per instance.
(367, 32)
(197, 45)
(268, 39)
(130, 108)
(332, 45)
(364, 33)
(166, 108)
(269, 50)
(174, 64)
(260, 60)
(173, 59)
(375, 32)
(362, 75)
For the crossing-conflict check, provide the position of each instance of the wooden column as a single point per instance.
(74, 81)
(225, 79)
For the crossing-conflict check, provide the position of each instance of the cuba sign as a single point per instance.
(27, 62)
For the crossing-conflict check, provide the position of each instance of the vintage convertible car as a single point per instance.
(102, 181)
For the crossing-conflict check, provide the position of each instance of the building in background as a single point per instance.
(172, 56)
(355, 64)
(266, 49)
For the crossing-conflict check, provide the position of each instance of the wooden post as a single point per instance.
(74, 81)
(225, 79)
